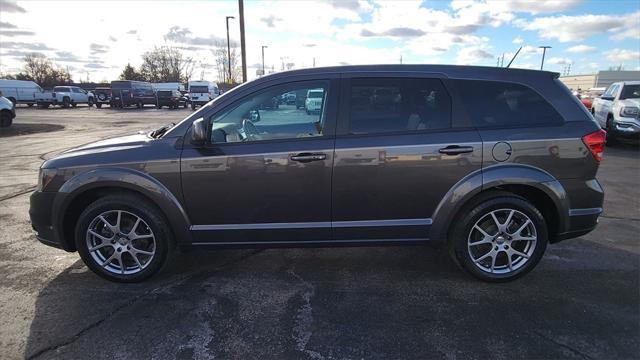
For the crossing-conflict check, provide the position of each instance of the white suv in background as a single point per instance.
(313, 102)
(618, 110)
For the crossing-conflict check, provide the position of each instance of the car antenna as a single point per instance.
(514, 57)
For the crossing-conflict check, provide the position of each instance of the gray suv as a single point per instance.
(491, 163)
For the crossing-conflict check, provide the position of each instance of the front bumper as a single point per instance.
(41, 214)
(626, 127)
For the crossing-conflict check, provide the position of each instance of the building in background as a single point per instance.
(599, 79)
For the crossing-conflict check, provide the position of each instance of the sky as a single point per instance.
(96, 39)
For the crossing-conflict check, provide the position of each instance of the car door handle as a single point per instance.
(308, 157)
(455, 150)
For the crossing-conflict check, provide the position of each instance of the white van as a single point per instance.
(202, 91)
(20, 91)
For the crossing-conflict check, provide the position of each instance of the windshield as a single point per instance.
(630, 92)
(199, 89)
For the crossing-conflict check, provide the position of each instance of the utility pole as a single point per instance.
(314, 61)
(544, 51)
(400, 59)
(229, 48)
(263, 47)
(243, 50)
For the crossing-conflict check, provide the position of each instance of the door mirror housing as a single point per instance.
(198, 132)
(610, 98)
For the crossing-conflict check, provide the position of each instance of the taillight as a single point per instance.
(595, 141)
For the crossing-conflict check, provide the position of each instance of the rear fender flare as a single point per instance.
(494, 177)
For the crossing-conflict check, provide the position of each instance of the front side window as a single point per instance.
(380, 105)
(503, 104)
(271, 114)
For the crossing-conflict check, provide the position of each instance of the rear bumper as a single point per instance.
(581, 222)
(40, 212)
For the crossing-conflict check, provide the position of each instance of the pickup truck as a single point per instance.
(65, 96)
(618, 109)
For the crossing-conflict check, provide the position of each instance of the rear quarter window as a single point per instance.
(504, 104)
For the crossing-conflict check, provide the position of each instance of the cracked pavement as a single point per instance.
(583, 300)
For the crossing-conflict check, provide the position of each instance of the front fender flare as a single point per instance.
(493, 177)
(128, 179)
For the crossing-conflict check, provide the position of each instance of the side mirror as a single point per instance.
(610, 98)
(198, 132)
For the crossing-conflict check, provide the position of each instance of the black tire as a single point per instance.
(73, 104)
(611, 133)
(158, 106)
(460, 233)
(90, 102)
(185, 105)
(193, 106)
(135, 205)
(43, 106)
(65, 103)
(6, 119)
(98, 105)
(139, 105)
(30, 105)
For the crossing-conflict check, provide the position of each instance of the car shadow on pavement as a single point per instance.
(18, 129)
(383, 302)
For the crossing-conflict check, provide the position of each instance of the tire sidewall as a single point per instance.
(138, 207)
(467, 221)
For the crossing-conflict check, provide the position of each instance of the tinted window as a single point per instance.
(494, 103)
(61, 89)
(165, 93)
(264, 116)
(381, 105)
(76, 90)
(120, 85)
(630, 92)
(199, 89)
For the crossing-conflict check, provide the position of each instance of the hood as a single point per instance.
(115, 143)
(630, 102)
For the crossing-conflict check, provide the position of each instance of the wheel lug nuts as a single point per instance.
(496, 248)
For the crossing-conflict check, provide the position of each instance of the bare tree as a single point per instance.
(166, 64)
(222, 62)
(43, 71)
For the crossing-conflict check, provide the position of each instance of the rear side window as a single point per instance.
(503, 104)
(382, 105)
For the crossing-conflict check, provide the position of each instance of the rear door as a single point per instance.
(399, 149)
(265, 175)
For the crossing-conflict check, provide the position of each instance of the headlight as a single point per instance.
(44, 178)
(628, 111)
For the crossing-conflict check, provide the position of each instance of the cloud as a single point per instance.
(182, 35)
(24, 46)
(6, 25)
(353, 5)
(67, 56)
(470, 55)
(11, 33)
(577, 28)
(132, 32)
(96, 66)
(393, 32)
(534, 7)
(112, 38)
(98, 48)
(582, 49)
(309, 45)
(618, 55)
(559, 61)
(517, 40)
(10, 7)
(270, 20)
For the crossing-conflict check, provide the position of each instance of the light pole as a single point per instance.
(243, 50)
(229, 47)
(263, 47)
(544, 51)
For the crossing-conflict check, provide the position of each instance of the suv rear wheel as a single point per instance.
(500, 239)
(5, 118)
(123, 238)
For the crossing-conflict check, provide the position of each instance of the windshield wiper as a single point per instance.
(160, 131)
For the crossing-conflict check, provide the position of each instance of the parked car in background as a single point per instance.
(65, 96)
(7, 112)
(170, 98)
(301, 98)
(490, 163)
(20, 91)
(586, 97)
(618, 109)
(102, 96)
(125, 93)
(313, 101)
(201, 92)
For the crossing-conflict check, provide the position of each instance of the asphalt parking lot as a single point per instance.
(582, 301)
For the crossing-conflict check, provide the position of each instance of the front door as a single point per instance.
(265, 175)
(397, 154)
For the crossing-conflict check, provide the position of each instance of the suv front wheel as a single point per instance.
(500, 239)
(123, 238)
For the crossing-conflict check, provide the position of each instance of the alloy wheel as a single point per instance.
(120, 242)
(502, 241)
